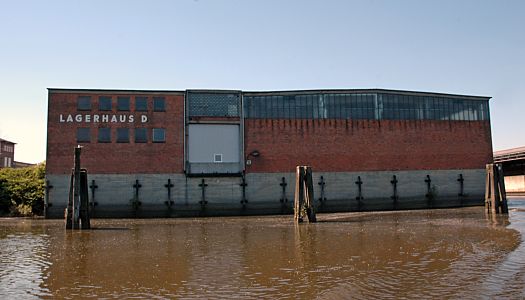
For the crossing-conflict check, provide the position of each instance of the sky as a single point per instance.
(458, 47)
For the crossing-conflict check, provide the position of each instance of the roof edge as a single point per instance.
(278, 92)
(114, 91)
(371, 90)
(509, 151)
(2, 140)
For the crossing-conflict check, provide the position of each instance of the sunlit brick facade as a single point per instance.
(208, 142)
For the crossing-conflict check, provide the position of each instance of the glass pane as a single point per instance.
(141, 135)
(104, 103)
(247, 107)
(263, 107)
(290, 106)
(83, 135)
(309, 107)
(285, 107)
(104, 135)
(84, 103)
(268, 100)
(213, 104)
(159, 135)
(257, 107)
(159, 104)
(141, 103)
(122, 135)
(123, 103)
(254, 107)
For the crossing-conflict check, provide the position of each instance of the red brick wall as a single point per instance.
(326, 145)
(367, 145)
(115, 157)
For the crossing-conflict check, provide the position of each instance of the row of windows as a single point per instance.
(365, 106)
(122, 135)
(376, 106)
(105, 103)
(8, 148)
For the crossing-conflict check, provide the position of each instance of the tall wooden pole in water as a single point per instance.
(495, 194)
(77, 211)
(76, 189)
(304, 195)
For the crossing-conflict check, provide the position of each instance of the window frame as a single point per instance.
(143, 100)
(121, 139)
(82, 105)
(135, 135)
(100, 102)
(99, 140)
(154, 137)
(121, 100)
(157, 101)
(86, 130)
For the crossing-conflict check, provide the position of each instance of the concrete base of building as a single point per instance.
(213, 210)
(268, 193)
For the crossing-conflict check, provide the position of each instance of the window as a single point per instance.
(104, 103)
(122, 135)
(217, 158)
(83, 135)
(123, 103)
(159, 104)
(141, 103)
(84, 103)
(213, 104)
(159, 135)
(104, 135)
(141, 135)
(387, 106)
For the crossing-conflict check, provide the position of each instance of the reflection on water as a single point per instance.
(457, 253)
(23, 261)
(508, 279)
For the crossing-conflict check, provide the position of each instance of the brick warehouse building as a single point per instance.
(214, 152)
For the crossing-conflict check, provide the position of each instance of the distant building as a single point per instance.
(19, 164)
(7, 154)
(513, 162)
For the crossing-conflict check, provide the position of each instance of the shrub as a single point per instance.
(22, 190)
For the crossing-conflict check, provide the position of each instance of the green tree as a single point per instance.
(22, 190)
(5, 199)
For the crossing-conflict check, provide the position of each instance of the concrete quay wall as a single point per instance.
(115, 194)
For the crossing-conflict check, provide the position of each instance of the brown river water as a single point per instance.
(447, 253)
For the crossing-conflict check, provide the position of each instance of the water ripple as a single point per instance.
(407, 255)
(23, 260)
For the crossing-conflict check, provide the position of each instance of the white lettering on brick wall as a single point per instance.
(79, 118)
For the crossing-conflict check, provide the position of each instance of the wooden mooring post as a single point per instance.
(77, 211)
(495, 194)
(304, 195)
